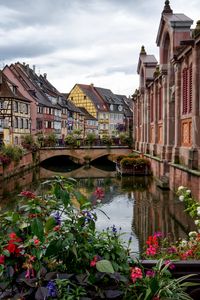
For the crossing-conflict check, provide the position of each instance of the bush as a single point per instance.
(13, 153)
(135, 162)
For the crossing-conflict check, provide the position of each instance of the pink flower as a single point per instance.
(2, 259)
(171, 266)
(99, 193)
(136, 273)
(151, 251)
(150, 273)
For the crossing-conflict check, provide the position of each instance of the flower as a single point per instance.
(181, 198)
(57, 217)
(94, 261)
(171, 266)
(196, 222)
(99, 193)
(52, 292)
(150, 273)
(13, 244)
(2, 259)
(193, 234)
(27, 194)
(136, 273)
(36, 241)
(151, 251)
(180, 188)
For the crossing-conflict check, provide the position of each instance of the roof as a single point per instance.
(91, 93)
(33, 81)
(146, 59)
(87, 115)
(72, 107)
(108, 96)
(6, 91)
(127, 105)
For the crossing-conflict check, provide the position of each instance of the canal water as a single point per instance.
(135, 205)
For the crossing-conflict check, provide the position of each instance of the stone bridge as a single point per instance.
(80, 155)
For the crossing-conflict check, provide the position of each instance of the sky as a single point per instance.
(84, 41)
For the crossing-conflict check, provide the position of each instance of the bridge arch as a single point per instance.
(81, 153)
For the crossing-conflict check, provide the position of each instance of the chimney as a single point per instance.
(34, 69)
(45, 75)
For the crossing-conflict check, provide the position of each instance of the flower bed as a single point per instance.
(50, 249)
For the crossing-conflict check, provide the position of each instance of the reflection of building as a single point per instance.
(157, 210)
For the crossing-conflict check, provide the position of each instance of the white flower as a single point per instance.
(183, 243)
(192, 233)
(98, 200)
(180, 188)
(198, 208)
(198, 213)
(181, 198)
(198, 230)
(196, 222)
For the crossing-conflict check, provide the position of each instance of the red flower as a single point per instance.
(2, 259)
(13, 243)
(56, 228)
(28, 194)
(36, 242)
(94, 261)
(99, 193)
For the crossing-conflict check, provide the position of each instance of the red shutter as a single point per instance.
(151, 108)
(190, 89)
(160, 105)
(185, 91)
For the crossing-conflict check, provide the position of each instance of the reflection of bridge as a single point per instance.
(83, 153)
(82, 172)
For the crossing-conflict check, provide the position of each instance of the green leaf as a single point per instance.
(37, 229)
(50, 223)
(105, 266)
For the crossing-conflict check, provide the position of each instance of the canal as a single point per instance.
(135, 205)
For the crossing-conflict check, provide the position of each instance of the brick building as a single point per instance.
(167, 103)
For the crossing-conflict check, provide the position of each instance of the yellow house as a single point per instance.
(86, 96)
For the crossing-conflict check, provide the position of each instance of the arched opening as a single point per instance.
(61, 163)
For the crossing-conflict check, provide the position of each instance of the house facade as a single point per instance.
(166, 105)
(15, 114)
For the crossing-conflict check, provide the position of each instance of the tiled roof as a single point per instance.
(5, 89)
(91, 93)
(87, 115)
(108, 96)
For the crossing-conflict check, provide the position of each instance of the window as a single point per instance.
(15, 106)
(21, 123)
(151, 108)
(187, 90)
(26, 109)
(160, 105)
(16, 122)
(26, 123)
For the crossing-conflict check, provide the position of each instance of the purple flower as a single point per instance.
(51, 289)
(57, 217)
(157, 234)
(114, 229)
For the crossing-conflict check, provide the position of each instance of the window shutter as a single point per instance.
(190, 89)
(185, 91)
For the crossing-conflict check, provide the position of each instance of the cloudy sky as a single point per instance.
(84, 41)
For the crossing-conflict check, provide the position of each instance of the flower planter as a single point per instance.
(183, 268)
(132, 170)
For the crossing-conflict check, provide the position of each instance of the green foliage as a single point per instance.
(50, 140)
(13, 153)
(90, 138)
(50, 248)
(125, 139)
(107, 140)
(137, 162)
(70, 140)
(28, 142)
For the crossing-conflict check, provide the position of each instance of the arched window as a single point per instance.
(166, 50)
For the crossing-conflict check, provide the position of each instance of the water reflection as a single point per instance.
(135, 204)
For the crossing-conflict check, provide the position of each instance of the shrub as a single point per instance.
(135, 162)
(13, 153)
